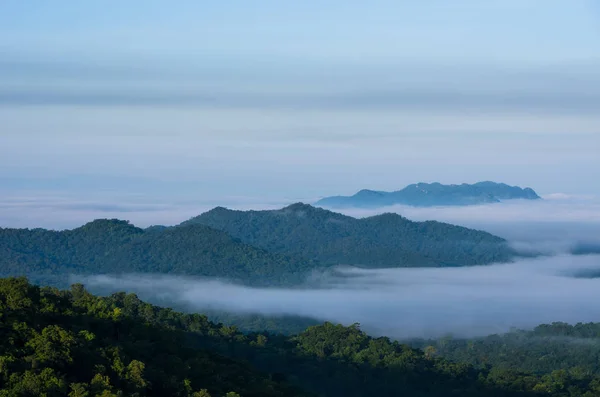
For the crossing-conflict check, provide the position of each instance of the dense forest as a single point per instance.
(58, 343)
(266, 248)
(387, 240)
(546, 348)
(70, 342)
(115, 246)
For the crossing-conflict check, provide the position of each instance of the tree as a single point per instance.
(135, 374)
(78, 390)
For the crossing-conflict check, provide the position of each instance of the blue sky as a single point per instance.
(297, 99)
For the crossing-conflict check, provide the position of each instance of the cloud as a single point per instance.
(557, 207)
(553, 225)
(67, 211)
(422, 98)
(396, 302)
(432, 87)
(404, 303)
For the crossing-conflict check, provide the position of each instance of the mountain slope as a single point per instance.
(71, 343)
(387, 240)
(544, 349)
(114, 246)
(432, 194)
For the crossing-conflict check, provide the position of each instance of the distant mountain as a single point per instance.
(432, 194)
(115, 246)
(387, 240)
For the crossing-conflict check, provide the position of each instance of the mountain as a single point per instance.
(264, 248)
(115, 246)
(72, 343)
(432, 194)
(387, 240)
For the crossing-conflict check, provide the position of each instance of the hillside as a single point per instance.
(71, 343)
(114, 246)
(432, 194)
(546, 348)
(59, 343)
(387, 240)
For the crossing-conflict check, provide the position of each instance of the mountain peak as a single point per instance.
(299, 206)
(107, 224)
(303, 209)
(368, 193)
(218, 210)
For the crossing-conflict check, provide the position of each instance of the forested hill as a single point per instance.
(255, 247)
(546, 348)
(387, 240)
(71, 343)
(115, 246)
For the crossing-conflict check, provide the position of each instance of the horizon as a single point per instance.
(80, 209)
(212, 101)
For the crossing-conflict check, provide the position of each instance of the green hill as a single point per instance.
(71, 343)
(387, 240)
(115, 246)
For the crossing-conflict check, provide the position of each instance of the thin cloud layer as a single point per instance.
(404, 303)
(67, 212)
(553, 225)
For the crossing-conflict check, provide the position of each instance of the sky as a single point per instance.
(217, 101)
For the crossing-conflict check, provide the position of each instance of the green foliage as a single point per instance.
(255, 247)
(114, 246)
(71, 343)
(387, 240)
(253, 322)
(545, 349)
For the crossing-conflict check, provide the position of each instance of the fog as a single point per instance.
(554, 225)
(401, 303)
(571, 215)
(404, 303)
(67, 211)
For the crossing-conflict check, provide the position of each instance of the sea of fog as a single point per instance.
(404, 303)
(401, 303)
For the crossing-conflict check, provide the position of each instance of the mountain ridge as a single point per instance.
(385, 240)
(263, 248)
(432, 194)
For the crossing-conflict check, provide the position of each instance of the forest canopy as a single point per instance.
(70, 342)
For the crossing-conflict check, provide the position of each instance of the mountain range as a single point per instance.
(277, 247)
(432, 194)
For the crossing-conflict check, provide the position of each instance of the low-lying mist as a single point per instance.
(557, 224)
(402, 303)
